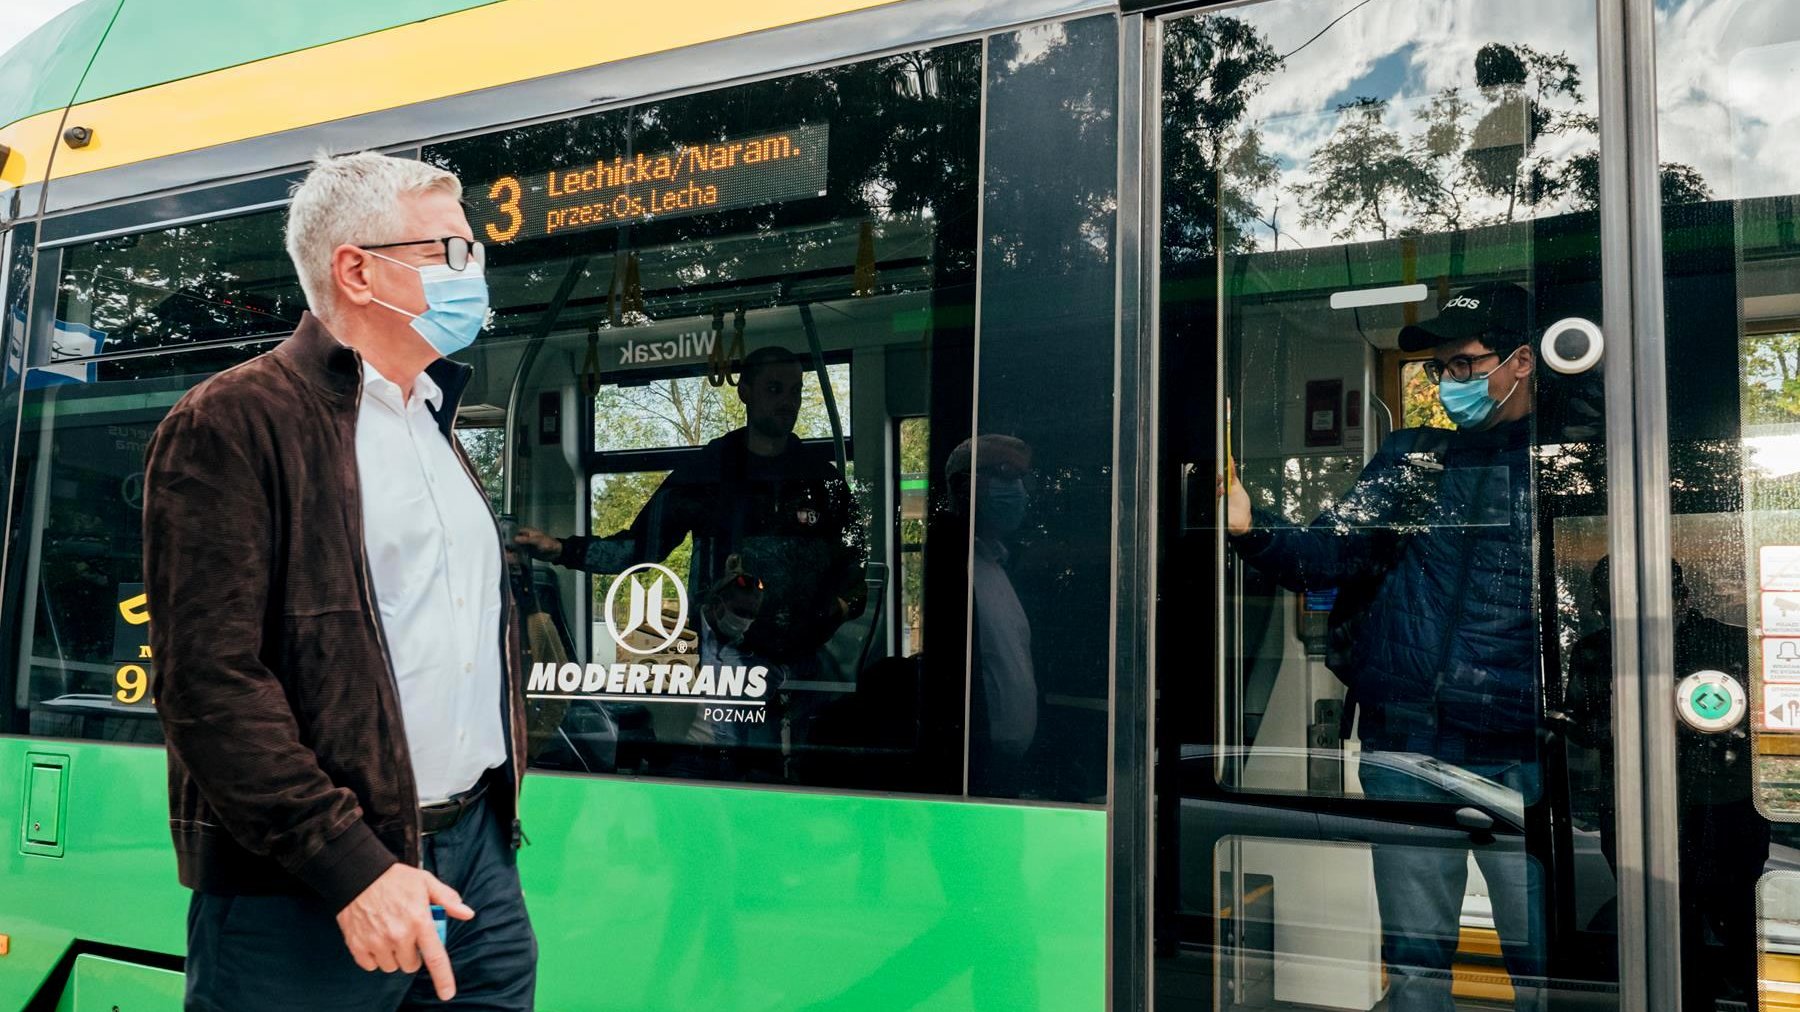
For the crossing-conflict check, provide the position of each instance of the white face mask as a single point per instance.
(732, 626)
(456, 304)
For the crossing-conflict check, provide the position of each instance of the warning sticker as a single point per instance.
(1780, 567)
(1781, 707)
(1780, 613)
(1781, 660)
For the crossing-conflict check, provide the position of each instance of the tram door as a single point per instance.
(1384, 761)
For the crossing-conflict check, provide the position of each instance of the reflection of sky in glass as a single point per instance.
(1726, 76)
(1774, 456)
(1400, 52)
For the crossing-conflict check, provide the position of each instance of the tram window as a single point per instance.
(1040, 469)
(676, 411)
(915, 482)
(667, 280)
(215, 280)
(485, 446)
(77, 631)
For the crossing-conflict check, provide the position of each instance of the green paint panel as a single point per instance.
(115, 881)
(166, 40)
(98, 984)
(657, 895)
(675, 896)
(42, 72)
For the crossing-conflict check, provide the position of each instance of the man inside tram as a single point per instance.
(1430, 552)
(778, 560)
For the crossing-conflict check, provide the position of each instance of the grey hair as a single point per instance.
(351, 199)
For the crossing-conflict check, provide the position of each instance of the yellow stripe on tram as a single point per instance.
(1780, 988)
(28, 147)
(467, 51)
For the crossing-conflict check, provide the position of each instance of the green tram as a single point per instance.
(1084, 756)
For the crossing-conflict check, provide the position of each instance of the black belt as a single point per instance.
(442, 815)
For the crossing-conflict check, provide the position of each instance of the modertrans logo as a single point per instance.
(655, 632)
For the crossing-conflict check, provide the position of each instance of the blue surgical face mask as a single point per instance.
(456, 304)
(1000, 507)
(1468, 402)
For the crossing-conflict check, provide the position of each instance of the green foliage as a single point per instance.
(1772, 379)
(485, 447)
(1419, 400)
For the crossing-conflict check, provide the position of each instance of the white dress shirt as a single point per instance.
(434, 556)
(1005, 637)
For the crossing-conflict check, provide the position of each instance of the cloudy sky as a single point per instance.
(19, 17)
(1728, 71)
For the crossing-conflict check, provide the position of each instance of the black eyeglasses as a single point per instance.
(457, 250)
(1459, 368)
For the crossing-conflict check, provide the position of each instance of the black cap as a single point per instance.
(1496, 307)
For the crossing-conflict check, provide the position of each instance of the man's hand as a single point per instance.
(539, 544)
(389, 926)
(1237, 501)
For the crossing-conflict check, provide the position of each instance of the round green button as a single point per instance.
(1710, 701)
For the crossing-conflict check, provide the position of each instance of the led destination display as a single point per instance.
(620, 189)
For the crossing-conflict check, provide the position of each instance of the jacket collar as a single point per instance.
(336, 369)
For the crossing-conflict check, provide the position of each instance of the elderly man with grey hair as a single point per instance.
(338, 652)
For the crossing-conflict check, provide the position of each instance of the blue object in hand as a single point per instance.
(440, 921)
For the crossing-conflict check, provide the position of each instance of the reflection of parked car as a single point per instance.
(1467, 811)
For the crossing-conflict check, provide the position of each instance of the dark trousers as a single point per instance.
(286, 953)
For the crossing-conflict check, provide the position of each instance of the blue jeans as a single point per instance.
(1420, 892)
(285, 953)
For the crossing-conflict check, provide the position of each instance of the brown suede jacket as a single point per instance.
(288, 764)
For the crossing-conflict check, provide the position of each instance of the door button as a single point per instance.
(1573, 345)
(1711, 701)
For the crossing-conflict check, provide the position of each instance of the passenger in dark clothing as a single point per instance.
(767, 511)
(1724, 841)
(1431, 548)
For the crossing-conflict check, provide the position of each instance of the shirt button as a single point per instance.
(468, 667)
(459, 602)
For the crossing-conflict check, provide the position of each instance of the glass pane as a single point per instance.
(1726, 73)
(679, 411)
(486, 449)
(229, 278)
(79, 623)
(915, 482)
(721, 604)
(1040, 470)
(1372, 793)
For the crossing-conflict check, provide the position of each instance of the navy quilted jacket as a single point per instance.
(1444, 660)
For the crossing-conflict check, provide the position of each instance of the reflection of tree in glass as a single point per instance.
(1523, 143)
(209, 281)
(1213, 67)
(902, 132)
(1080, 234)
